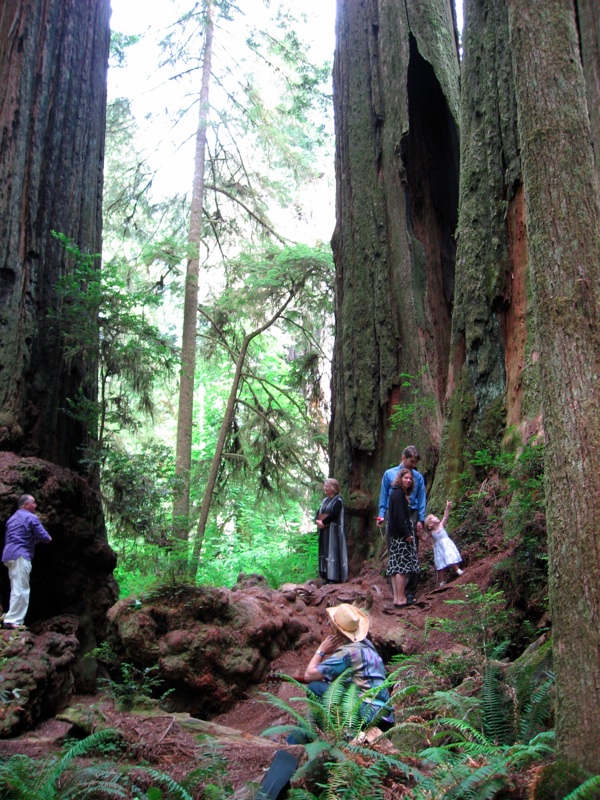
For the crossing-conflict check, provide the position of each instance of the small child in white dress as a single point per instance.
(445, 552)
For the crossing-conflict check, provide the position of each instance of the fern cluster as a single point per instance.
(23, 778)
(467, 745)
(331, 732)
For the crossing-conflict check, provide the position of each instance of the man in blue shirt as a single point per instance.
(418, 504)
(23, 532)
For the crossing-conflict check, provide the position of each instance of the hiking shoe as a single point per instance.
(459, 571)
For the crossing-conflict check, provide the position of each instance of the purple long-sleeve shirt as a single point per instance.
(23, 532)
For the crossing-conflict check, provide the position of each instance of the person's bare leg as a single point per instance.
(401, 595)
(395, 587)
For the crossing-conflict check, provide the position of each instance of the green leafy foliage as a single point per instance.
(212, 773)
(589, 790)
(264, 539)
(480, 755)
(64, 778)
(275, 303)
(103, 314)
(482, 619)
(131, 686)
(22, 778)
(412, 410)
(265, 137)
(331, 732)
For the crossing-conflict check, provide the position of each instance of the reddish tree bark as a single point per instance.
(563, 226)
(53, 63)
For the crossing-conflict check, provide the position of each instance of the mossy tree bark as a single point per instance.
(53, 63)
(396, 108)
(493, 393)
(588, 28)
(493, 377)
(563, 226)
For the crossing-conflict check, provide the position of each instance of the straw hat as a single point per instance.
(349, 621)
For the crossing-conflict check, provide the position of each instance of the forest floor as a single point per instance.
(171, 742)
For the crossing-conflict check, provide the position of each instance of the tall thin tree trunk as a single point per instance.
(563, 225)
(231, 402)
(181, 506)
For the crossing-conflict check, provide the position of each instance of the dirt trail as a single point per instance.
(170, 741)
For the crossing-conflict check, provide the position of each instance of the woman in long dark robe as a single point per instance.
(333, 554)
(402, 550)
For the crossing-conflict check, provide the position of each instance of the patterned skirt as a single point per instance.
(402, 557)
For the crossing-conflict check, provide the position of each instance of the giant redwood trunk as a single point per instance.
(563, 226)
(493, 381)
(493, 374)
(53, 62)
(396, 110)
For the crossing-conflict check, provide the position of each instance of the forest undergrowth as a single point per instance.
(472, 722)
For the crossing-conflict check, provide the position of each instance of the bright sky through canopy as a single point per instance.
(168, 146)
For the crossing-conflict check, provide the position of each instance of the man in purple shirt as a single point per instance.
(23, 532)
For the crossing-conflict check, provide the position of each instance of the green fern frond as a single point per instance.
(282, 705)
(15, 775)
(587, 791)
(285, 730)
(78, 750)
(85, 783)
(300, 794)
(522, 754)
(440, 755)
(462, 727)
(388, 761)
(314, 750)
(351, 781)
(499, 650)
(349, 705)
(482, 783)
(444, 702)
(174, 789)
(537, 710)
(496, 721)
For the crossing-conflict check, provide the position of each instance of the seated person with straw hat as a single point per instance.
(349, 650)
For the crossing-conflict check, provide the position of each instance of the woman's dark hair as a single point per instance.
(398, 480)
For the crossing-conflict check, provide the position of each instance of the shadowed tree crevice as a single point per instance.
(430, 155)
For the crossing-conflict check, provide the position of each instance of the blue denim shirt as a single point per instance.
(418, 499)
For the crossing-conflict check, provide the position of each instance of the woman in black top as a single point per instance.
(402, 551)
(333, 555)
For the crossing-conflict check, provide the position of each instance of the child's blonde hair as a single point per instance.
(427, 523)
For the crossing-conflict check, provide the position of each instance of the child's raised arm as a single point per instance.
(446, 514)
